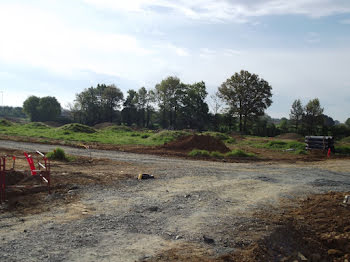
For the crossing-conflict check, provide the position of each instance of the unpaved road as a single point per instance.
(136, 220)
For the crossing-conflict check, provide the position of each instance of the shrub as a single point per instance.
(197, 152)
(4, 122)
(344, 150)
(57, 154)
(145, 136)
(239, 153)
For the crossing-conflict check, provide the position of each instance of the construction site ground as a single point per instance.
(192, 210)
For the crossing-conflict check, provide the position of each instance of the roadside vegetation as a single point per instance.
(124, 135)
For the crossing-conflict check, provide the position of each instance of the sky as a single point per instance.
(60, 47)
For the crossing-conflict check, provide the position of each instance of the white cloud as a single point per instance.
(33, 37)
(226, 10)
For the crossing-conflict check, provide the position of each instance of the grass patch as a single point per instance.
(116, 128)
(167, 136)
(57, 154)
(221, 136)
(239, 153)
(216, 154)
(199, 153)
(36, 125)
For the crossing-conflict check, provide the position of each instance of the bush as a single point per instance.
(344, 150)
(197, 152)
(4, 122)
(239, 153)
(57, 154)
(216, 154)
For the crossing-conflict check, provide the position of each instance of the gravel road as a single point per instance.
(206, 205)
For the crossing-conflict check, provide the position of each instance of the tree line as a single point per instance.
(238, 105)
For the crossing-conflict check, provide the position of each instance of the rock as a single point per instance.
(301, 257)
(74, 187)
(334, 252)
(178, 237)
(153, 209)
(187, 195)
(208, 240)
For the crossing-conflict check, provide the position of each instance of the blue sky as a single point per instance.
(58, 48)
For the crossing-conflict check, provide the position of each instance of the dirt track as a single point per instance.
(205, 208)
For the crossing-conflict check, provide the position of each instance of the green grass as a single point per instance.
(200, 153)
(57, 154)
(221, 136)
(117, 135)
(216, 154)
(343, 150)
(239, 153)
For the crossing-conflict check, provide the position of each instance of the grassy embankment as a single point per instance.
(122, 135)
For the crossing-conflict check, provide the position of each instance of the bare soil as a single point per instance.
(191, 211)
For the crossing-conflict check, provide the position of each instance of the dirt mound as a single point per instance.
(5, 122)
(201, 142)
(293, 136)
(103, 125)
(78, 128)
(318, 230)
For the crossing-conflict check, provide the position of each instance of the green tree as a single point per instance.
(313, 116)
(283, 125)
(49, 108)
(129, 112)
(31, 106)
(247, 95)
(42, 109)
(347, 122)
(98, 104)
(194, 110)
(169, 93)
(296, 114)
(111, 98)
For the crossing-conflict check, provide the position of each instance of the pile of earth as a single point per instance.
(202, 142)
(292, 136)
(318, 230)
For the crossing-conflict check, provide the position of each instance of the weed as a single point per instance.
(216, 154)
(197, 152)
(57, 154)
(239, 153)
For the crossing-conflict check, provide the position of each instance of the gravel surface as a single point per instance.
(206, 204)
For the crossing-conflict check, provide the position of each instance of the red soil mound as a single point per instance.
(201, 142)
